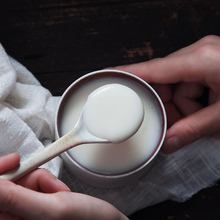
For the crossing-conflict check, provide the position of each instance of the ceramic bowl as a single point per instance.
(112, 165)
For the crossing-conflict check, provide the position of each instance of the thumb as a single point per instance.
(187, 130)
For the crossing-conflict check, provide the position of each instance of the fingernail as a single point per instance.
(171, 145)
(62, 185)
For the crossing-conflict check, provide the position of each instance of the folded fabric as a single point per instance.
(26, 112)
(27, 115)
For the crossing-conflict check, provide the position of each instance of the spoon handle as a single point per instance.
(66, 142)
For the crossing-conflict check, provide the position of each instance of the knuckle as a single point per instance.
(206, 50)
(193, 132)
(64, 210)
(209, 39)
(207, 55)
(208, 47)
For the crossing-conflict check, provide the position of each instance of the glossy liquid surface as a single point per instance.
(113, 112)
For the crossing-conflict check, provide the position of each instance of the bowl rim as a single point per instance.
(87, 77)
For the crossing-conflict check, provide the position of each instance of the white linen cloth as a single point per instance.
(26, 112)
(27, 115)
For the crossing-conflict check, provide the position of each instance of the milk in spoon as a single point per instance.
(113, 112)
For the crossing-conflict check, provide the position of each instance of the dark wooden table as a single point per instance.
(59, 41)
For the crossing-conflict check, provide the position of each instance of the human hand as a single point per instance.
(191, 70)
(41, 196)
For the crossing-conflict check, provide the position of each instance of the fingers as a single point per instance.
(194, 64)
(62, 205)
(211, 39)
(190, 64)
(172, 113)
(185, 97)
(173, 69)
(80, 206)
(166, 94)
(43, 181)
(9, 162)
(21, 201)
(202, 123)
(38, 180)
(16, 200)
(164, 91)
